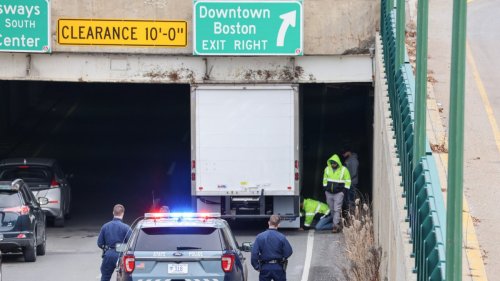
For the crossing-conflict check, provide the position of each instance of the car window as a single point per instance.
(178, 239)
(9, 199)
(228, 237)
(27, 173)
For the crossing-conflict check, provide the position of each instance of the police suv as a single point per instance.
(182, 246)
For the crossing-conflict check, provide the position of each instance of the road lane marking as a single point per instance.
(472, 247)
(484, 97)
(57, 127)
(309, 250)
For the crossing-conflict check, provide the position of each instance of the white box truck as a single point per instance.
(245, 151)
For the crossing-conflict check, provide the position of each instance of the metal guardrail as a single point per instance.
(420, 181)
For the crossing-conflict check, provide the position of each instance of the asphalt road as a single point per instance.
(482, 152)
(72, 254)
(125, 144)
(482, 111)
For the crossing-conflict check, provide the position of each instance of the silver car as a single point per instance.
(45, 179)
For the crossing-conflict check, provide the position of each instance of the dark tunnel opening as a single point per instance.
(129, 143)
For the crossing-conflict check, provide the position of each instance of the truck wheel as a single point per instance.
(40, 249)
(29, 252)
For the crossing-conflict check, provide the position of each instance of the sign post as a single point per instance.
(25, 26)
(248, 28)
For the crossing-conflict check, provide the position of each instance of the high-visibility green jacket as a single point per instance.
(311, 208)
(335, 180)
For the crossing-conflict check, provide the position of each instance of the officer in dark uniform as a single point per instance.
(111, 233)
(270, 252)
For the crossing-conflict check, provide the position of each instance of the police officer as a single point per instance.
(270, 252)
(111, 233)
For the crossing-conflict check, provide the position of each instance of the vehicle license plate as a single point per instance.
(177, 268)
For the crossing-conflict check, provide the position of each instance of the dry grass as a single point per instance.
(362, 253)
(439, 148)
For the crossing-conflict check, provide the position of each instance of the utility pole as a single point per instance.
(421, 81)
(456, 144)
(400, 34)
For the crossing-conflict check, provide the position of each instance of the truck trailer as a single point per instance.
(245, 151)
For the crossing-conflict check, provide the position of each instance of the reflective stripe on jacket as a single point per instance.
(339, 178)
(313, 207)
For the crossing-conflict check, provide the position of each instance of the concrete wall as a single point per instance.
(391, 229)
(332, 27)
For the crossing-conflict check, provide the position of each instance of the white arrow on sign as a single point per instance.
(289, 18)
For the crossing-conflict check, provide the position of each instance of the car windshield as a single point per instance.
(27, 173)
(178, 239)
(9, 199)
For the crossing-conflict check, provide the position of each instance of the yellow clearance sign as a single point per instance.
(122, 32)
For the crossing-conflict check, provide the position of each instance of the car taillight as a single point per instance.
(129, 263)
(54, 183)
(227, 262)
(22, 210)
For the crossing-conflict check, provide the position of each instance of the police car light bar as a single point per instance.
(180, 215)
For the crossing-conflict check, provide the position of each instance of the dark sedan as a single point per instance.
(22, 226)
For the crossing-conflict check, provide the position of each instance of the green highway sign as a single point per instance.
(25, 26)
(248, 28)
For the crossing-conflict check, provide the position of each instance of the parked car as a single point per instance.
(45, 178)
(182, 246)
(22, 227)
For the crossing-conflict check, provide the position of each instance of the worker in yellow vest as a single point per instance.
(313, 208)
(336, 182)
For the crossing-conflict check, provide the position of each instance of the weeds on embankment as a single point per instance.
(363, 255)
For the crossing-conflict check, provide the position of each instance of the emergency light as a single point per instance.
(180, 215)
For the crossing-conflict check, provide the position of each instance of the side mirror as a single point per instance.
(121, 247)
(246, 246)
(43, 201)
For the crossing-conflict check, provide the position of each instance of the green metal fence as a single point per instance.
(420, 181)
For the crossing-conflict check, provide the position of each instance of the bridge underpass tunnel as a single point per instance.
(128, 143)
(123, 143)
(333, 116)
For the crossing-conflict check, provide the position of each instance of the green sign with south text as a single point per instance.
(25, 26)
(248, 28)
